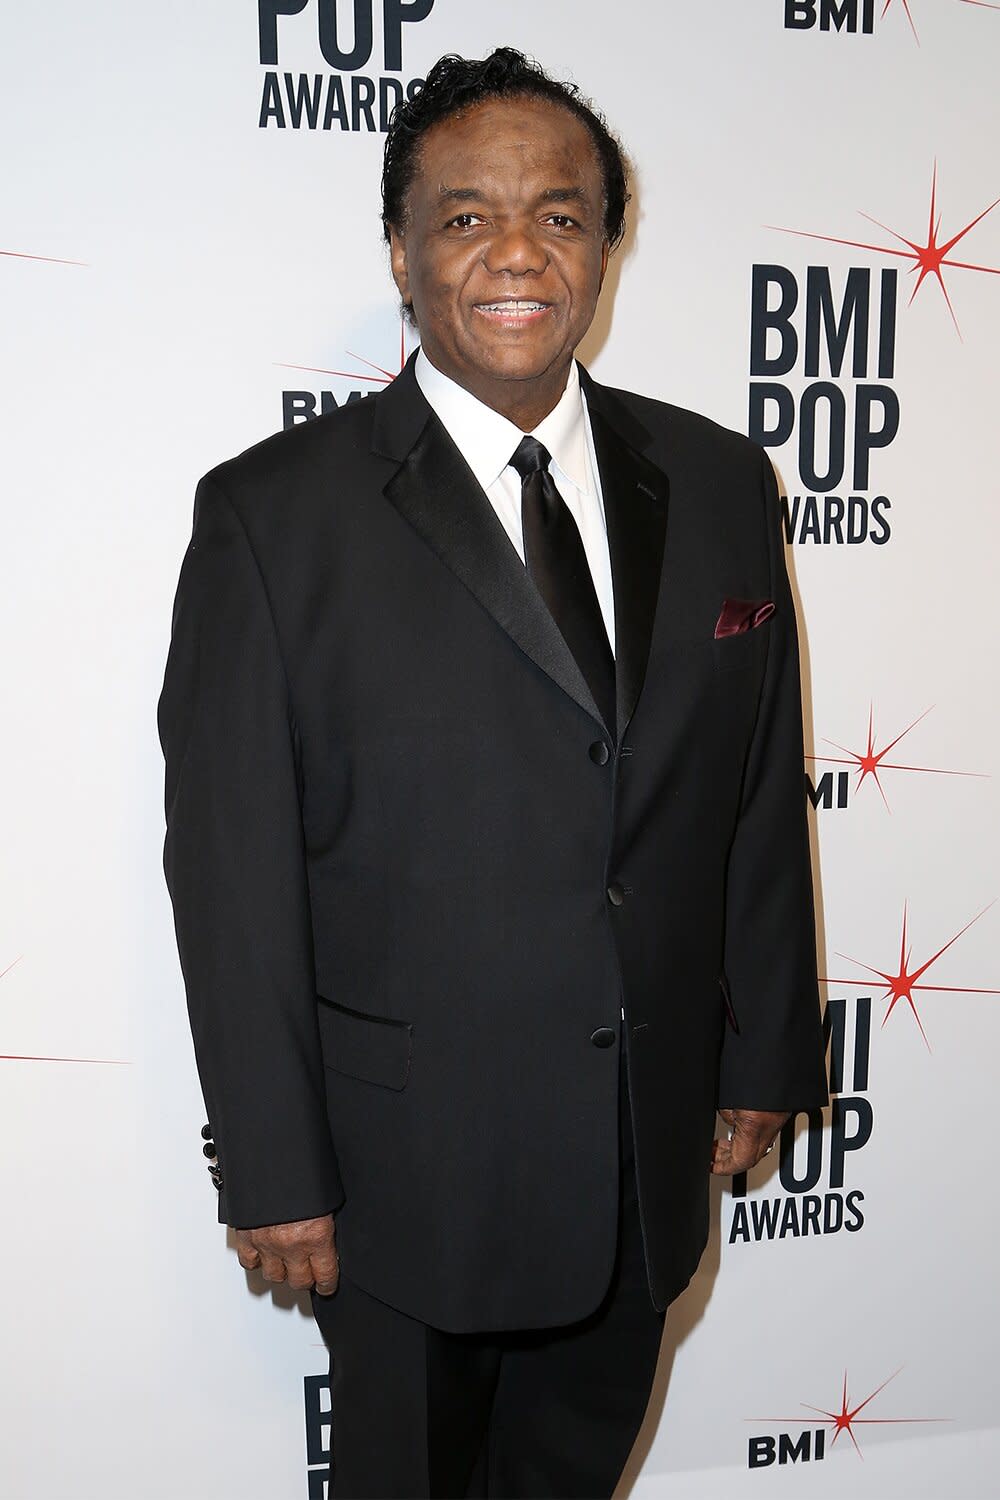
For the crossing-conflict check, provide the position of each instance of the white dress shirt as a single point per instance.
(486, 441)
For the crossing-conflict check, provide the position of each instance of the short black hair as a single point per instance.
(455, 84)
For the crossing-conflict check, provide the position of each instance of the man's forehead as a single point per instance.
(484, 186)
(535, 168)
(497, 130)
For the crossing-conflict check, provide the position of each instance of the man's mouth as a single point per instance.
(513, 310)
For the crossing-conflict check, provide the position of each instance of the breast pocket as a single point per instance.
(372, 1048)
(734, 653)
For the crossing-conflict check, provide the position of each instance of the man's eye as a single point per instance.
(464, 221)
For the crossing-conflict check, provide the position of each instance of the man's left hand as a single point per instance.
(752, 1133)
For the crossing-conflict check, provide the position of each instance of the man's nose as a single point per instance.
(516, 249)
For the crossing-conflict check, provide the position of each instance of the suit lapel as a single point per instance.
(635, 507)
(436, 491)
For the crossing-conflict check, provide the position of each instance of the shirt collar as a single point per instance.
(564, 434)
(486, 439)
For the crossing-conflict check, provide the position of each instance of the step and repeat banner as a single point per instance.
(192, 259)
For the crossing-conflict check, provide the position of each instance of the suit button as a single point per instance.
(603, 1037)
(599, 753)
(616, 894)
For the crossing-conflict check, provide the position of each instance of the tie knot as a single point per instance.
(530, 457)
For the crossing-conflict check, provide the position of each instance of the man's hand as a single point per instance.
(303, 1253)
(752, 1134)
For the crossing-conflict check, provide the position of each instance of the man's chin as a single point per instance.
(508, 363)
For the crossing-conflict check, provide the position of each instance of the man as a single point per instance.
(485, 831)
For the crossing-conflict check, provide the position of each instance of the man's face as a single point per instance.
(503, 251)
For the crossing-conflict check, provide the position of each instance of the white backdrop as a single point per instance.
(166, 257)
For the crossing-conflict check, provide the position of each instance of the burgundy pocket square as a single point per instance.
(741, 615)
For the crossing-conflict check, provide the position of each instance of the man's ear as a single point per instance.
(605, 257)
(397, 260)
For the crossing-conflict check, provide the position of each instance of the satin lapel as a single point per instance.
(635, 506)
(440, 497)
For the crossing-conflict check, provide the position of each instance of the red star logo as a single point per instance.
(902, 984)
(870, 762)
(111, 1062)
(381, 376)
(23, 1057)
(51, 260)
(906, 7)
(985, 4)
(928, 257)
(848, 1417)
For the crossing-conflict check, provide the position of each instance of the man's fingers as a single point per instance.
(300, 1272)
(323, 1258)
(249, 1257)
(752, 1133)
(744, 1155)
(325, 1271)
(722, 1158)
(297, 1271)
(273, 1267)
(300, 1253)
(741, 1152)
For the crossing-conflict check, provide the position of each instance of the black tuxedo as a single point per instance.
(415, 877)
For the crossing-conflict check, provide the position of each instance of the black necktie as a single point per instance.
(557, 564)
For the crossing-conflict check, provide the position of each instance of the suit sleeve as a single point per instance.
(774, 1058)
(234, 862)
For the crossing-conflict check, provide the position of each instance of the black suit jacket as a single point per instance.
(413, 873)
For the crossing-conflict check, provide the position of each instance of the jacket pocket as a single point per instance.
(372, 1048)
(735, 652)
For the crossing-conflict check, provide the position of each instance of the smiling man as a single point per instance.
(485, 831)
(499, 246)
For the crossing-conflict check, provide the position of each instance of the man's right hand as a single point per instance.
(304, 1253)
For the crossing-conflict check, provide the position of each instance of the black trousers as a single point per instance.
(417, 1412)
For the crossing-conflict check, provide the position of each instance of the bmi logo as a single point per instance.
(832, 789)
(302, 405)
(357, 95)
(838, 15)
(318, 1429)
(803, 330)
(852, 15)
(803, 1444)
(813, 1167)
